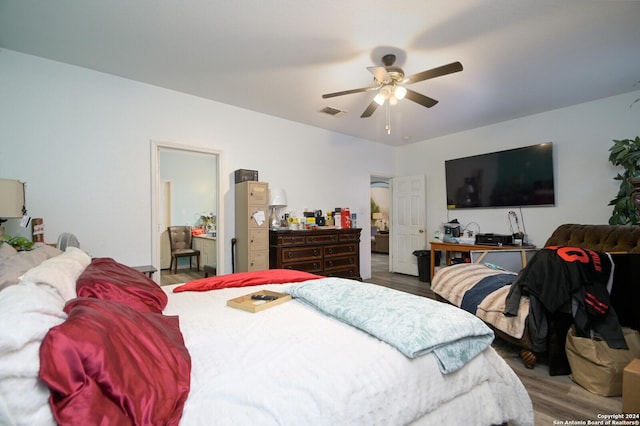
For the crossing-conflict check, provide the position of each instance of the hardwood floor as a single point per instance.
(380, 275)
(555, 398)
(183, 275)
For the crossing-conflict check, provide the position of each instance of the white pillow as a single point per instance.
(6, 250)
(27, 312)
(60, 272)
(17, 263)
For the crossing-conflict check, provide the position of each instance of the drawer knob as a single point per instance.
(290, 254)
(330, 251)
(315, 252)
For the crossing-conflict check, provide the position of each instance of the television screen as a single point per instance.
(511, 178)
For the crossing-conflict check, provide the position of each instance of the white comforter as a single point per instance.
(291, 365)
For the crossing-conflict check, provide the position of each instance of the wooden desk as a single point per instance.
(465, 248)
(208, 247)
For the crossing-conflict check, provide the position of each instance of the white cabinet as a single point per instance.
(208, 249)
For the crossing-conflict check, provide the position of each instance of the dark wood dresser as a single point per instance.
(329, 252)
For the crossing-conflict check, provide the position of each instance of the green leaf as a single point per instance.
(625, 153)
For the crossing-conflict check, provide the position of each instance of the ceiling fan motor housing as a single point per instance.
(388, 59)
(395, 74)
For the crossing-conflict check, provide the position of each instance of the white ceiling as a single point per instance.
(278, 57)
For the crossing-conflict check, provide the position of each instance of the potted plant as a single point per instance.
(18, 243)
(626, 153)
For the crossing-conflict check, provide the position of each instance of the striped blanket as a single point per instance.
(454, 282)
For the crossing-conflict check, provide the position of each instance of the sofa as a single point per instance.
(380, 242)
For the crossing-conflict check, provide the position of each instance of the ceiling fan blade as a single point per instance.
(434, 72)
(380, 74)
(370, 109)
(348, 92)
(420, 99)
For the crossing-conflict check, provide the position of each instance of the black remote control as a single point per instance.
(263, 297)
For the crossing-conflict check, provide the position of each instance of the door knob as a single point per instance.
(421, 231)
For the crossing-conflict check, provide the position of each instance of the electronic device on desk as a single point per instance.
(494, 239)
(451, 231)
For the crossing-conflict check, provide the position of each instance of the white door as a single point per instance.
(408, 222)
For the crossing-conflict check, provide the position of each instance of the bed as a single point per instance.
(92, 341)
(483, 289)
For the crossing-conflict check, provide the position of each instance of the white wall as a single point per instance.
(194, 185)
(82, 142)
(581, 134)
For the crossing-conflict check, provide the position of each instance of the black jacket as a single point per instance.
(569, 279)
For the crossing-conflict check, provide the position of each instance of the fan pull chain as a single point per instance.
(388, 126)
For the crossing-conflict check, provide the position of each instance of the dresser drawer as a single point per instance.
(258, 239)
(258, 193)
(259, 260)
(253, 213)
(349, 237)
(295, 254)
(288, 240)
(351, 272)
(340, 262)
(314, 267)
(340, 249)
(323, 238)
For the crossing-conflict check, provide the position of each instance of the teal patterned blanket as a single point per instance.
(414, 325)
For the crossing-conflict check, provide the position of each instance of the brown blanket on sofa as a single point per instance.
(603, 238)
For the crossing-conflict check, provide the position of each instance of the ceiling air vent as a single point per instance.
(332, 111)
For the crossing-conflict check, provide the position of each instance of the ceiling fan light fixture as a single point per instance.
(384, 93)
(399, 92)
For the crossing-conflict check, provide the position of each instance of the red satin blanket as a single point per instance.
(109, 364)
(116, 360)
(245, 279)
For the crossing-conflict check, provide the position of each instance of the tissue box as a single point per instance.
(631, 387)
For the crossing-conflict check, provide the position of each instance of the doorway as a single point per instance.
(380, 194)
(185, 186)
(398, 206)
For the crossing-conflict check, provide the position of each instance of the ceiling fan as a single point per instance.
(389, 81)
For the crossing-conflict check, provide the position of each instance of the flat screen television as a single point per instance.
(511, 178)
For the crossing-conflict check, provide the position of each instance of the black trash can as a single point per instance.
(424, 264)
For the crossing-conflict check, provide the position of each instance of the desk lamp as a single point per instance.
(277, 199)
(11, 200)
(376, 218)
